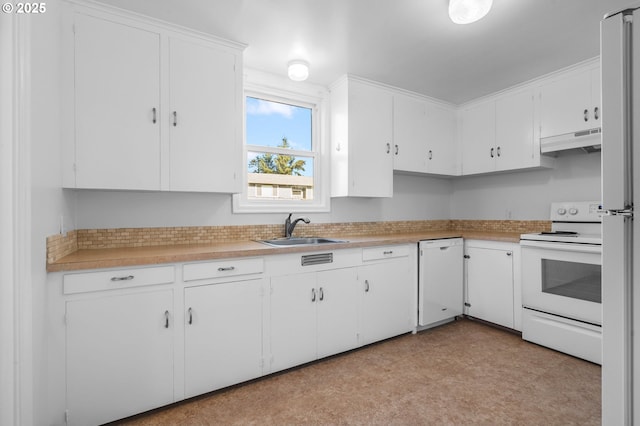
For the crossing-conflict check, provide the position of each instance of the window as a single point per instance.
(282, 154)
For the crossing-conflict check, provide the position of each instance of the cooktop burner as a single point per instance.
(558, 233)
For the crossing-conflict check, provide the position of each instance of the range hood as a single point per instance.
(586, 141)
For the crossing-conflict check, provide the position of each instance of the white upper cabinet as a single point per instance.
(204, 118)
(361, 139)
(442, 155)
(410, 134)
(117, 105)
(155, 108)
(571, 103)
(423, 136)
(516, 147)
(500, 134)
(478, 138)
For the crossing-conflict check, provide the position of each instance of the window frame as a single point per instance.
(306, 96)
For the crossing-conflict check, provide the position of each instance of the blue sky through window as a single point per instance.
(267, 122)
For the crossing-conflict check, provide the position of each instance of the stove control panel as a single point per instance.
(576, 211)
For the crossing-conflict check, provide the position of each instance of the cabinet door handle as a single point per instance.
(155, 115)
(175, 118)
(498, 151)
(396, 149)
(166, 319)
(596, 113)
(509, 253)
(313, 294)
(586, 115)
(366, 286)
(388, 148)
(321, 294)
(127, 278)
(491, 153)
(190, 316)
(430, 155)
(226, 268)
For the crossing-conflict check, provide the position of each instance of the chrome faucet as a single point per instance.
(289, 226)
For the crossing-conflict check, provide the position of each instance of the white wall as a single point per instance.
(518, 195)
(415, 198)
(48, 201)
(527, 195)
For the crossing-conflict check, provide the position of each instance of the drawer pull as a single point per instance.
(228, 268)
(127, 278)
(387, 252)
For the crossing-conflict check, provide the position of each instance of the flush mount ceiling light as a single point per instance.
(468, 11)
(298, 70)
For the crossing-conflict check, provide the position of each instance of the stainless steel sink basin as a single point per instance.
(307, 241)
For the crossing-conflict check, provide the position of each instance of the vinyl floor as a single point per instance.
(461, 373)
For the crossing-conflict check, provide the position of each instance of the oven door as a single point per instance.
(563, 279)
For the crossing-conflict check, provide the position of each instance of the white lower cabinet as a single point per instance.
(120, 355)
(492, 286)
(313, 315)
(223, 335)
(386, 305)
(139, 338)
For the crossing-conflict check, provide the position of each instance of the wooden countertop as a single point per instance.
(136, 256)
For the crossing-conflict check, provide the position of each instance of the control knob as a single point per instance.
(562, 211)
(573, 211)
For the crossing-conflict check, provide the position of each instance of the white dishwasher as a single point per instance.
(440, 280)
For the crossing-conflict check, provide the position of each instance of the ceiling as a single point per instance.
(410, 44)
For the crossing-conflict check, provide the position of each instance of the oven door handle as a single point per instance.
(572, 247)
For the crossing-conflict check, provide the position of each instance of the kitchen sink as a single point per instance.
(301, 241)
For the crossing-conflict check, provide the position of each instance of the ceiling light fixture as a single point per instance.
(468, 11)
(298, 70)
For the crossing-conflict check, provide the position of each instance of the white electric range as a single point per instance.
(561, 281)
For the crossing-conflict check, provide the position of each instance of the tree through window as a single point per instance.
(280, 155)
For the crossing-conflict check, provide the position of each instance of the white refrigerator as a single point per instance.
(620, 56)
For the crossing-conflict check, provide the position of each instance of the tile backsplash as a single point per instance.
(59, 246)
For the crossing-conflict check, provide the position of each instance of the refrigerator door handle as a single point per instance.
(628, 212)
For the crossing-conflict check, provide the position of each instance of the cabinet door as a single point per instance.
(441, 282)
(203, 118)
(566, 105)
(119, 356)
(370, 141)
(478, 137)
(337, 311)
(223, 335)
(596, 98)
(490, 285)
(386, 289)
(293, 320)
(514, 131)
(410, 134)
(441, 141)
(117, 105)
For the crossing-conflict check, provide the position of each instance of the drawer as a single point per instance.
(222, 269)
(117, 279)
(385, 252)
